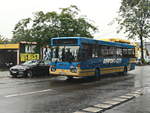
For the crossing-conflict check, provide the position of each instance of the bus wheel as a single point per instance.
(97, 74)
(125, 72)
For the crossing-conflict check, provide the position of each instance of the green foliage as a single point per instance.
(134, 19)
(44, 26)
(3, 40)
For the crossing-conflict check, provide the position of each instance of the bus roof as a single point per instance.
(94, 41)
(116, 40)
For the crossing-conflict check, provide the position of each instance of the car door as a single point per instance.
(43, 68)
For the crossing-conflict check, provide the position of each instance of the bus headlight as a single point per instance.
(73, 69)
(53, 68)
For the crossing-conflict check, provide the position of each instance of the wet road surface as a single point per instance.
(142, 103)
(57, 95)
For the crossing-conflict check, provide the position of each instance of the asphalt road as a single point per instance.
(142, 103)
(57, 95)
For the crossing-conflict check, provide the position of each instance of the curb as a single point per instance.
(98, 108)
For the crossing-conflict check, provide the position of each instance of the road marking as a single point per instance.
(132, 94)
(79, 112)
(111, 103)
(27, 93)
(103, 106)
(92, 109)
(119, 99)
(127, 97)
(137, 92)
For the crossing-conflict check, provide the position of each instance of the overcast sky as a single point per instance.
(101, 12)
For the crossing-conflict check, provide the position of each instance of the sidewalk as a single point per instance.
(140, 104)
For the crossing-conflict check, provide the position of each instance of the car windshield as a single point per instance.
(65, 53)
(31, 62)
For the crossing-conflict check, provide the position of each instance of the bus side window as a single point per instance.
(95, 51)
(125, 52)
(119, 52)
(90, 51)
(111, 51)
(56, 52)
(99, 51)
(63, 54)
(87, 51)
(115, 51)
(104, 51)
(131, 52)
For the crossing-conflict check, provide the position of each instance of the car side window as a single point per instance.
(42, 63)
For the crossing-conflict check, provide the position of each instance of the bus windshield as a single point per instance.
(65, 53)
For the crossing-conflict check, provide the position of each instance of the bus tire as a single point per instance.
(97, 74)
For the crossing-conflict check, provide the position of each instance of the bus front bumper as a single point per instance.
(79, 73)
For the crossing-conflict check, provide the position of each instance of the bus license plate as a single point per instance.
(62, 73)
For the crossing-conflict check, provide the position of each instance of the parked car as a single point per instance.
(30, 69)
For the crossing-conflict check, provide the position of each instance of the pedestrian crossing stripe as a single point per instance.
(119, 99)
(92, 109)
(111, 103)
(126, 97)
(104, 106)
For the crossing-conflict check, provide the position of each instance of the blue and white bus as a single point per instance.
(80, 57)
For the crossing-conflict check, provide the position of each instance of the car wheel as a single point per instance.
(29, 74)
(14, 76)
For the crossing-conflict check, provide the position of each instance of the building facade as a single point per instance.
(12, 54)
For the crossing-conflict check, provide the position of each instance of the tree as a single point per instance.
(3, 40)
(44, 26)
(134, 18)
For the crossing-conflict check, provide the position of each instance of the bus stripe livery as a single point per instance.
(80, 57)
